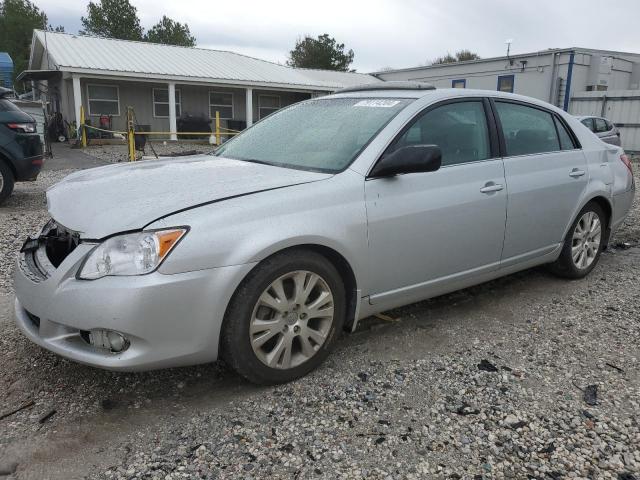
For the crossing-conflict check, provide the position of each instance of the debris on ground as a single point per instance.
(591, 395)
(487, 366)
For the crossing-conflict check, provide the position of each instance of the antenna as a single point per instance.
(509, 41)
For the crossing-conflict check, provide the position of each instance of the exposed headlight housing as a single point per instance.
(130, 254)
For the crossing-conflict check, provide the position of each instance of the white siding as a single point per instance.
(621, 107)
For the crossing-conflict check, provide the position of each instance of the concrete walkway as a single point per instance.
(65, 157)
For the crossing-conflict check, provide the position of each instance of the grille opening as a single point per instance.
(59, 243)
(34, 319)
(84, 334)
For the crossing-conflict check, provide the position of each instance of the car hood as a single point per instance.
(102, 201)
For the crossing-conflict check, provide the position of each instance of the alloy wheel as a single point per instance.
(586, 240)
(291, 319)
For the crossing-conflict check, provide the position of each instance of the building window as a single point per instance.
(221, 102)
(161, 103)
(505, 83)
(103, 100)
(267, 104)
(461, 83)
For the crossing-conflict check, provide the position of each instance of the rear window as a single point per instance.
(7, 106)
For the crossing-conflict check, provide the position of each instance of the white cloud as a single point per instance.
(400, 33)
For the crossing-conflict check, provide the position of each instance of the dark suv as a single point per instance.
(20, 146)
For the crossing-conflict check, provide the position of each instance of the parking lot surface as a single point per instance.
(529, 376)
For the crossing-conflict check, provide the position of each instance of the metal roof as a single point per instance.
(96, 55)
(513, 56)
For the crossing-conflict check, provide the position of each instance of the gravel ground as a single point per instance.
(118, 153)
(528, 376)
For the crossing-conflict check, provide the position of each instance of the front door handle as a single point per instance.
(491, 187)
(576, 172)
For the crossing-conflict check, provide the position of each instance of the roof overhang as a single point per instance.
(28, 75)
(146, 77)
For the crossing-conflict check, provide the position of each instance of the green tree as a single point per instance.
(18, 19)
(170, 32)
(322, 52)
(113, 19)
(460, 56)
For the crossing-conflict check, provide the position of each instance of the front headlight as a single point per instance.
(130, 254)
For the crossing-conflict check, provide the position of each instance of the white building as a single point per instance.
(579, 80)
(163, 82)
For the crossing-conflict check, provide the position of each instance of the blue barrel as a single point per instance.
(6, 70)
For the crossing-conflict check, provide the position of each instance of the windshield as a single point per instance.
(322, 135)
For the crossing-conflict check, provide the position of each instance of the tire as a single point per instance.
(286, 355)
(6, 181)
(588, 256)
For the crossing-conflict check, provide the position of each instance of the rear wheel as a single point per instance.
(583, 244)
(285, 317)
(6, 181)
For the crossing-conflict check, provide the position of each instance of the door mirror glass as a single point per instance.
(409, 159)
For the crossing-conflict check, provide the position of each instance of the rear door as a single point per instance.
(427, 228)
(546, 175)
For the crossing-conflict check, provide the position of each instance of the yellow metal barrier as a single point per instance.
(217, 128)
(130, 133)
(83, 131)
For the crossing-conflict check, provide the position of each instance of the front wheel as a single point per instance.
(583, 244)
(284, 318)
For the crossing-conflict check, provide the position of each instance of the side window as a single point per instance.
(459, 129)
(527, 130)
(609, 124)
(588, 122)
(566, 143)
(601, 125)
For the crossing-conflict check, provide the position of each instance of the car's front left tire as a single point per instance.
(6, 181)
(284, 318)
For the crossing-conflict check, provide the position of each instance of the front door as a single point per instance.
(546, 176)
(425, 228)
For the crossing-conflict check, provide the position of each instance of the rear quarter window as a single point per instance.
(566, 141)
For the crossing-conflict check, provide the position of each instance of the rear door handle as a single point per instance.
(491, 187)
(576, 172)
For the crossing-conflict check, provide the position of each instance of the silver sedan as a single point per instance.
(604, 129)
(322, 214)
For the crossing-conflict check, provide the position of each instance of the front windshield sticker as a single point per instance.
(377, 103)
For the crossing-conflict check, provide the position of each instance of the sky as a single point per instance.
(388, 33)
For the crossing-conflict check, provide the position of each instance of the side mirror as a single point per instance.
(410, 159)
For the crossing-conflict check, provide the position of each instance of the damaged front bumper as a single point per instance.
(166, 320)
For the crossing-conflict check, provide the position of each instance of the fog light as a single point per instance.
(109, 340)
